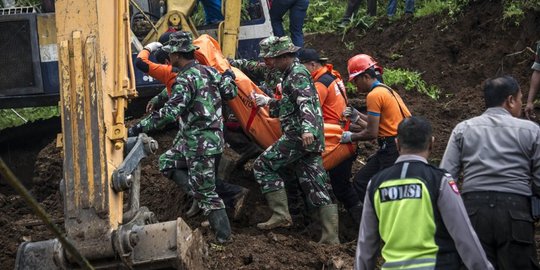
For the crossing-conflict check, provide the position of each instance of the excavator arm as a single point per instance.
(178, 18)
(96, 81)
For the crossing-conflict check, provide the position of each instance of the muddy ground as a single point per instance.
(454, 55)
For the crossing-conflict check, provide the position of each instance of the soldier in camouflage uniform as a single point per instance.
(269, 80)
(232, 195)
(300, 145)
(196, 103)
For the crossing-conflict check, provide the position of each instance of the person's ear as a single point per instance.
(398, 145)
(510, 101)
(431, 143)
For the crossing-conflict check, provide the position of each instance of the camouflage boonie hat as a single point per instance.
(281, 46)
(265, 45)
(180, 41)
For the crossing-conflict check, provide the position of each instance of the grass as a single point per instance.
(16, 117)
(410, 80)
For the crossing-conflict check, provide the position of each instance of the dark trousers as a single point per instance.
(225, 190)
(341, 185)
(505, 227)
(354, 5)
(384, 158)
(297, 13)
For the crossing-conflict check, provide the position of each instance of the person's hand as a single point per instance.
(307, 139)
(529, 111)
(153, 46)
(261, 100)
(229, 73)
(352, 114)
(346, 137)
(135, 130)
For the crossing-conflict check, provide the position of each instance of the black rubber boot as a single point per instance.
(181, 178)
(220, 224)
(193, 210)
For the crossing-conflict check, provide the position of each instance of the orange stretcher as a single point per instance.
(257, 122)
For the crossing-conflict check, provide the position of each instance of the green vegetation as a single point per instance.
(433, 7)
(323, 15)
(410, 80)
(513, 13)
(17, 117)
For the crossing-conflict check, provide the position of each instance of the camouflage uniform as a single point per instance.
(195, 103)
(159, 100)
(299, 112)
(267, 78)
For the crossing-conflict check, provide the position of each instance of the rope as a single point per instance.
(16, 184)
(20, 116)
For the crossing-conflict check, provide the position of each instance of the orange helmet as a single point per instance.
(359, 64)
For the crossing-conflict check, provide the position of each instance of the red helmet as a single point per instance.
(359, 64)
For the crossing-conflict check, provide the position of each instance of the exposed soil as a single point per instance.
(454, 55)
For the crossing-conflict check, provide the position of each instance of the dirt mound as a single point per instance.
(454, 55)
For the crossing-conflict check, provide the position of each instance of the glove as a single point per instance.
(261, 100)
(229, 73)
(352, 114)
(153, 46)
(135, 130)
(346, 137)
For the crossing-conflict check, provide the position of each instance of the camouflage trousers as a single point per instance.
(308, 167)
(202, 177)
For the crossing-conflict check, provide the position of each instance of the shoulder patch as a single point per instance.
(326, 79)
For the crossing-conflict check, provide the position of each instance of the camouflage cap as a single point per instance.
(281, 46)
(265, 45)
(180, 41)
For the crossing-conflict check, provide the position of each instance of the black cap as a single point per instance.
(306, 55)
(164, 38)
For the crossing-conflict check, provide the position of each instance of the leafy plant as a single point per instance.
(349, 45)
(17, 117)
(350, 88)
(513, 13)
(433, 7)
(410, 80)
(323, 16)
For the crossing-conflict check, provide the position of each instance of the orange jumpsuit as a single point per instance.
(332, 93)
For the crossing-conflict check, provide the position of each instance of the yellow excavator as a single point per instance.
(96, 78)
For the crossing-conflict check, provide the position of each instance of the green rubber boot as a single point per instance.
(330, 224)
(277, 200)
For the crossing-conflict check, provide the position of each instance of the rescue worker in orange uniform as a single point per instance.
(333, 99)
(330, 87)
(385, 110)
